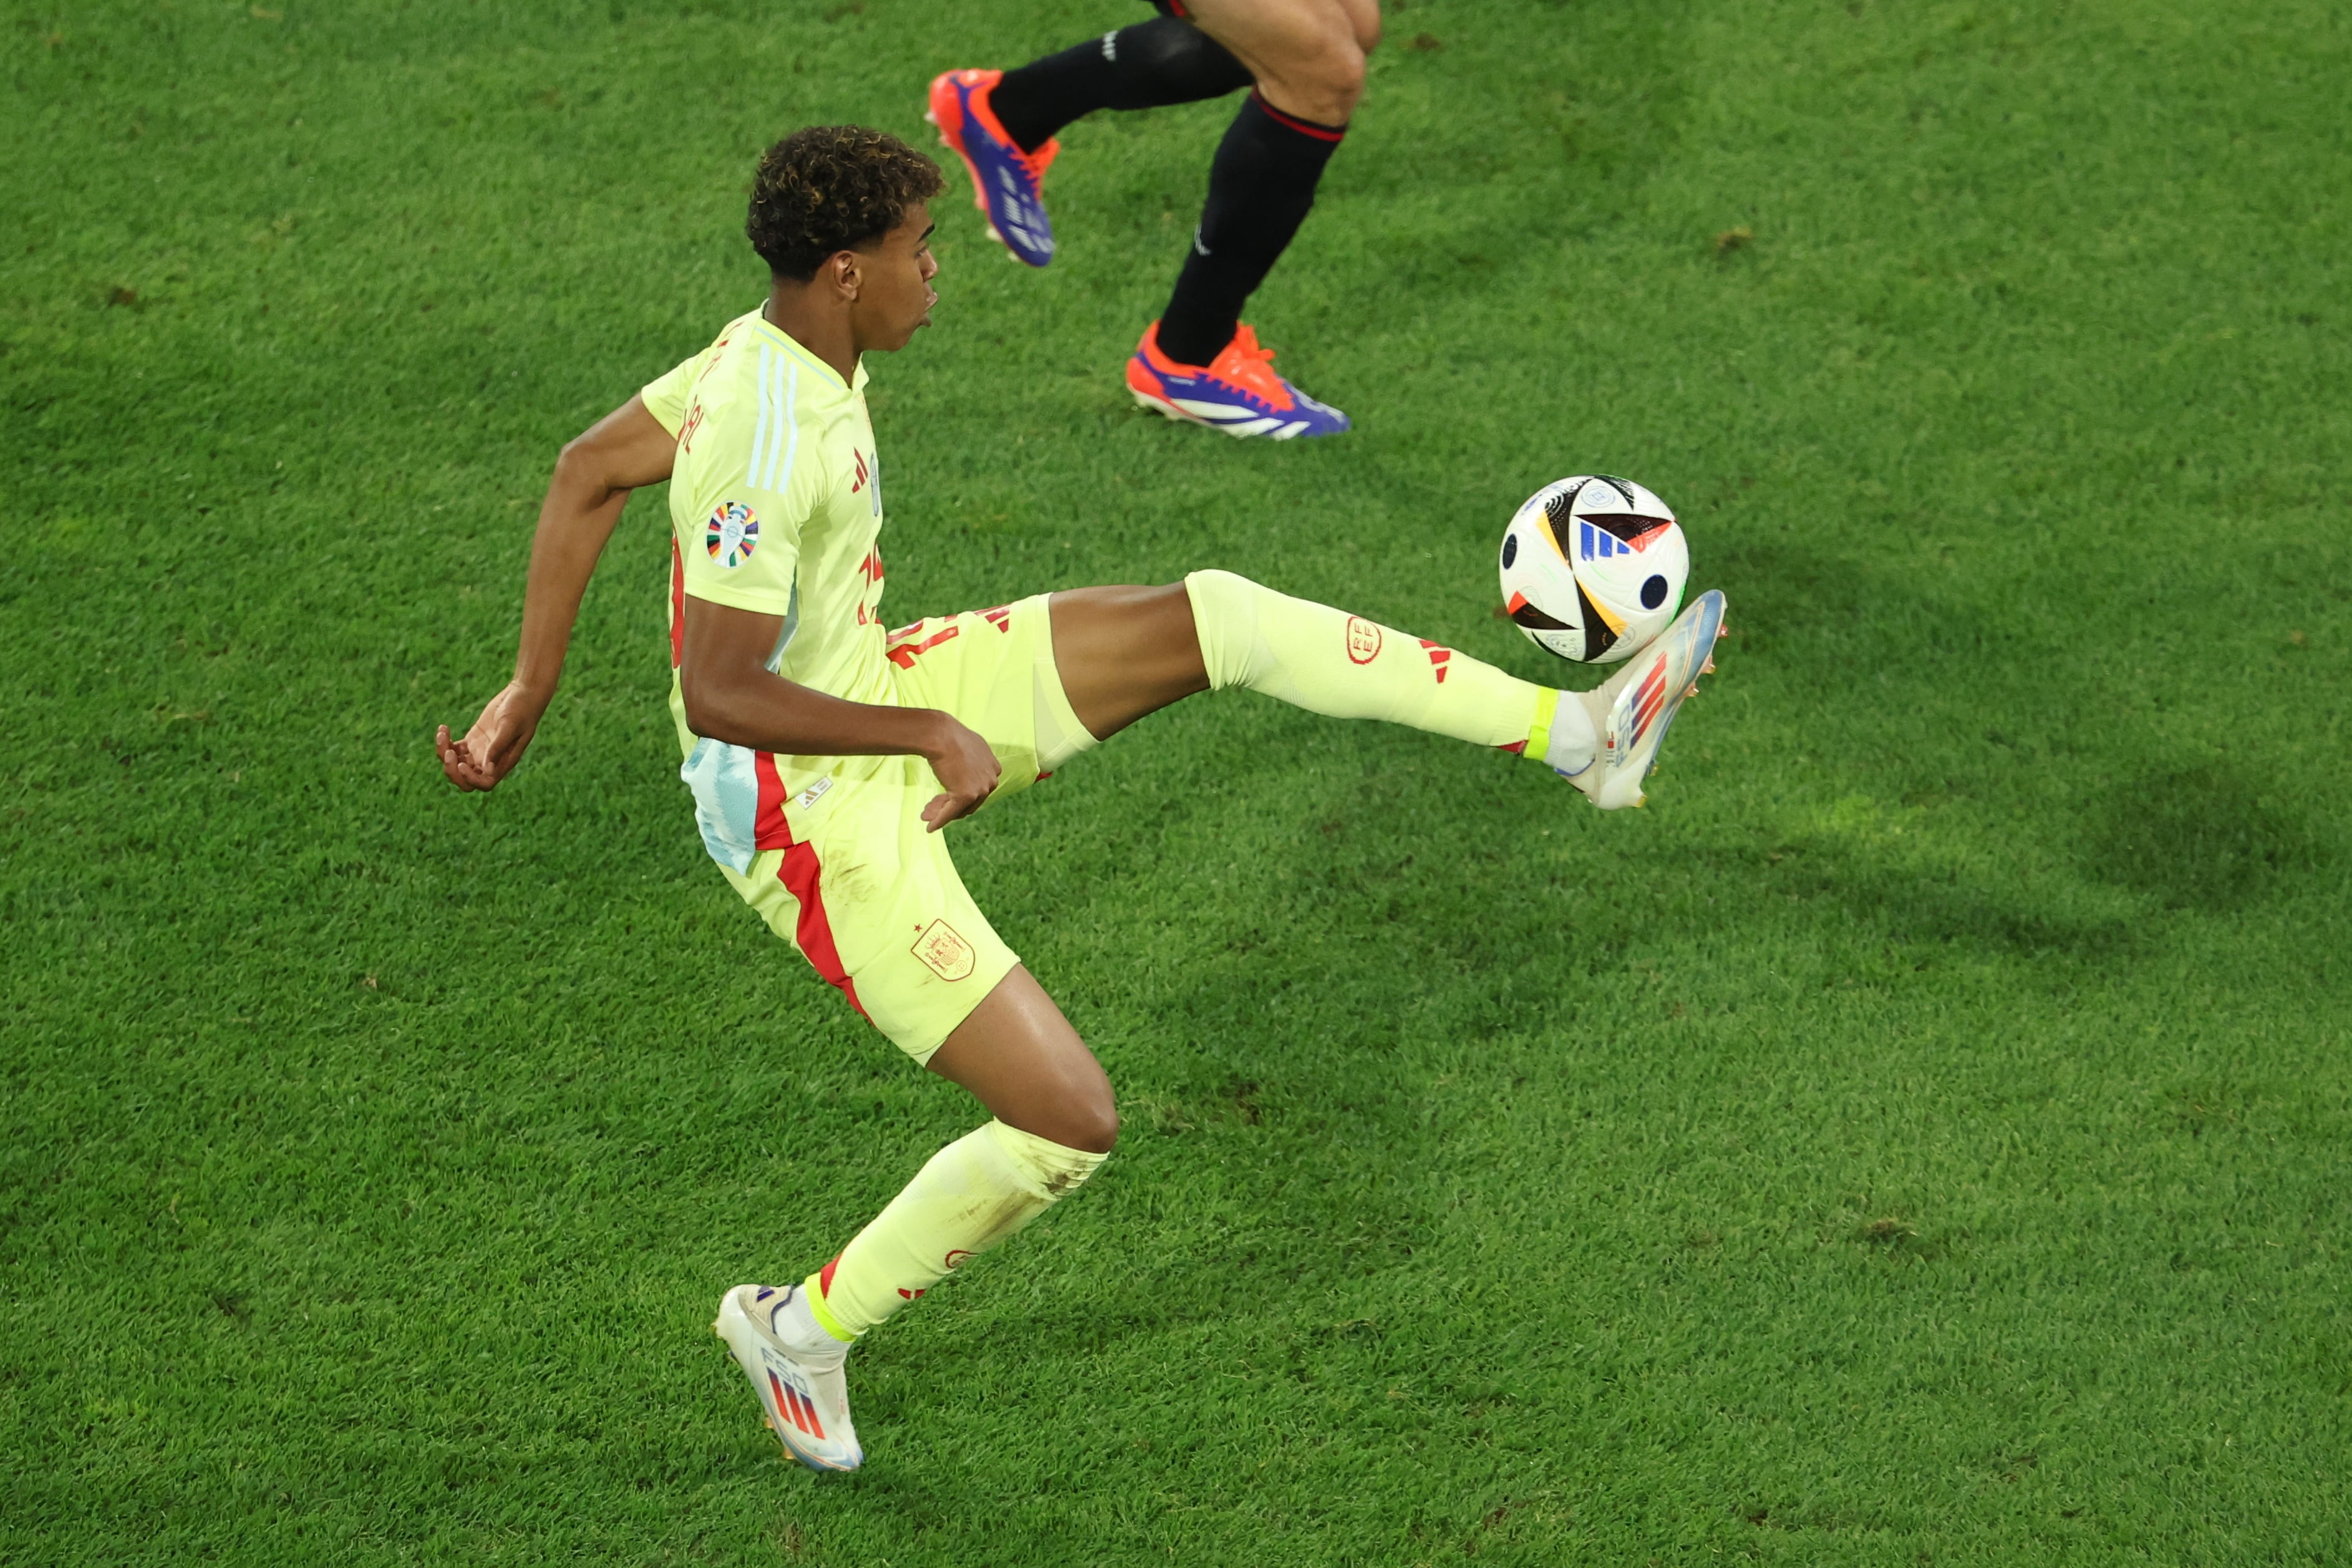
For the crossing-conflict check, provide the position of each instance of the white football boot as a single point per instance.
(1631, 709)
(796, 1368)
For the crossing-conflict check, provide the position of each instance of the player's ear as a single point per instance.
(846, 274)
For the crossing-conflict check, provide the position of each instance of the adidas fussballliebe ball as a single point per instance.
(1593, 567)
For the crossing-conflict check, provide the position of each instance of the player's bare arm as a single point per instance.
(732, 696)
(592, 479)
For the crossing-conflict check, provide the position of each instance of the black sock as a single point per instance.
(1152, 63)
(1260, 188)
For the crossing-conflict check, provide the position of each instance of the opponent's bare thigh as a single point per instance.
(1308, 55)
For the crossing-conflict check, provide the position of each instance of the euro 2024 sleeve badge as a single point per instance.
(733, 533)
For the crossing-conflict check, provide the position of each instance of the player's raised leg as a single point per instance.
(1053, 1124)
(1125, 652)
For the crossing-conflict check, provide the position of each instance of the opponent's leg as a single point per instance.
(1198, 362)
(1305, 55)
(1002, 123)
(1147, 66)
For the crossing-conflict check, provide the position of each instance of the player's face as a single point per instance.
(896, 296)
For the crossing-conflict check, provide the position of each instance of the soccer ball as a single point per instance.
(1593, 567)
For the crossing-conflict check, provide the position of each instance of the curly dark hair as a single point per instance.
(831, 188)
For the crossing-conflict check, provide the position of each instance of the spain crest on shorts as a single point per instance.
(733, 533)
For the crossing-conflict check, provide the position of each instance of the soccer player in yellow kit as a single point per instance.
(825, 753)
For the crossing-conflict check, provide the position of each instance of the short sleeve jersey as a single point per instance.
(775, 506)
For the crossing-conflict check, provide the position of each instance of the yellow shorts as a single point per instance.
(866, 893)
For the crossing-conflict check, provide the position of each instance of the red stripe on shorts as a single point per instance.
(800, 874)
(903, 655)
(768, 828)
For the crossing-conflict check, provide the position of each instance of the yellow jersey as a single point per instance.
(775, 506)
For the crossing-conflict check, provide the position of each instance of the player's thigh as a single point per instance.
(875, 904)
(1364, 17)
(1125, 652)
(1306, 55)
(980, 666)
(1281, 33)
(1021, 1058)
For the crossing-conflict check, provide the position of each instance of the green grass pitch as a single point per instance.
(1921, 1136)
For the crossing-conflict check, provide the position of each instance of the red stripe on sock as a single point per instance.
(824, 1278)
(1304, 127)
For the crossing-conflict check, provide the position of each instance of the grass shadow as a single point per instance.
(2196, 839)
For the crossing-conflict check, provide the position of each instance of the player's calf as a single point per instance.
(1146, 65)
(793, 1341)
(1346, 667)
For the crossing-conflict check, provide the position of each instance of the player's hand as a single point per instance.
(968, 773)
(496, 742)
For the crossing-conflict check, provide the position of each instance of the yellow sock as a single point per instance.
(973, 1193)
(1345, 666)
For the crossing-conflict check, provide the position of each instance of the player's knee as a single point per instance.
(1091, 1123)
(1322, 77)
(1223, 609)
(1328, 94)
(1342, 84)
